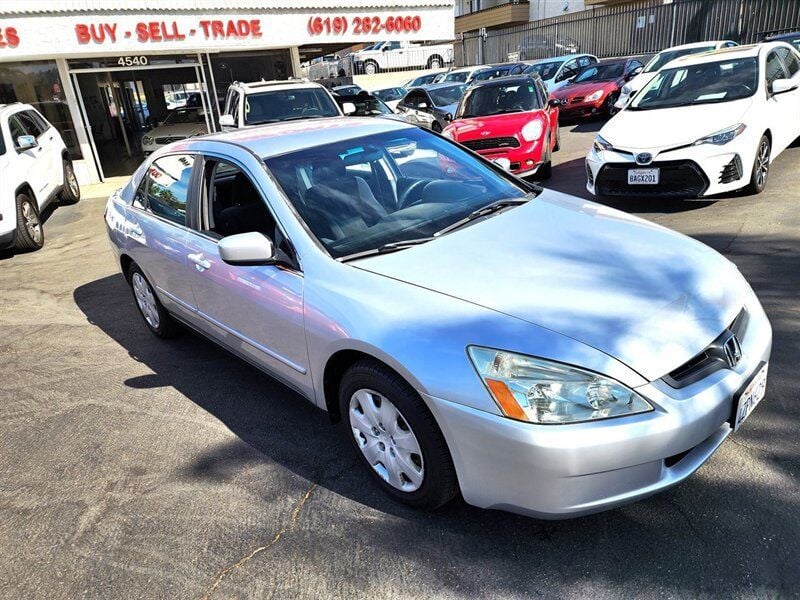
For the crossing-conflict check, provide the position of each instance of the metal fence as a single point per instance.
(631, 29)
(436, 55)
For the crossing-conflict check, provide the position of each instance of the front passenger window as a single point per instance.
(167, 185)
(774, 68)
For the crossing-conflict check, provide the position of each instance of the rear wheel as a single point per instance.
(760, 172)
(435, 62)
(370, 67)
(155, 316)
(436, 127)
(546, 170)
(395, 436)
(30, 233)
(71, 192)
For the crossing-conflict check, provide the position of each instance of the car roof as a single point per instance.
(694, 45)
(508, 80)
(777, 37)
(289, 84)
(274, 139)
(467, 69)
(438, 86)
(562, 58)
(749, 51)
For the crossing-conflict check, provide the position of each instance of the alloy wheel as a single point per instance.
(762, 163)
(72, 182)
(32, 223)
(146, 300)
(386, 440)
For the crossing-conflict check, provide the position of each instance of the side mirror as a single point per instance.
(555, 102)
(26, 142)
(448, 117)
(251, 248)
(348, 108)
(384, 49)
(422, 106)
(779, 86)
(633, 73)
(226, 121)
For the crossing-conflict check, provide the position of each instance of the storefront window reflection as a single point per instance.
(37, 83)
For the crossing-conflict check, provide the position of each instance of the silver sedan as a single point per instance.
(474, 333)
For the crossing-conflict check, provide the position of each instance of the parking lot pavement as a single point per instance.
(136, 468)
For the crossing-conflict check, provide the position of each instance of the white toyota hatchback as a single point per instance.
(704, 125)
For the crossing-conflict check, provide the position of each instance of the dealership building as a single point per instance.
(106, 71)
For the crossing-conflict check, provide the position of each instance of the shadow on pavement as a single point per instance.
(46, 214)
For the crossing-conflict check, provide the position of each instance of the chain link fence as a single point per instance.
(634, 28)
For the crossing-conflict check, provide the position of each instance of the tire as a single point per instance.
(71, 191)
(30, 231)
(435, 62)
(557, 146)
(153, 313)
(371, 67)
(760, 172)
(436, 127)
(409, 458)
(610, 101)
(546, 170)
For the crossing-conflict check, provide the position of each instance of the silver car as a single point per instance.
(537, 352)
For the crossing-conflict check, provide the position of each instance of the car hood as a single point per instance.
(625, 129)
(647, 296)
(641, 80)
(583, 89)
(495, 125)
(448, 108)
(184, 129)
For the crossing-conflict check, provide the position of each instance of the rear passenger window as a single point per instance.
(166, 187)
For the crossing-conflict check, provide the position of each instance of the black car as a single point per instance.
(792, 38)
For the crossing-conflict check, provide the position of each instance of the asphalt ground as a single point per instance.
(136, 468)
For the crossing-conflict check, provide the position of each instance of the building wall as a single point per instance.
(544, 9)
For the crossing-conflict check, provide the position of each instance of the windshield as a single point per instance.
(366, 105)
(447, 96)
(545, 70)
(491, 74)
(390, 94)
(281, 105)
(601, 73)
(456, 76)
(662, 58)
(722, 81)
(497, 99)
(185, 115)
(360, 194)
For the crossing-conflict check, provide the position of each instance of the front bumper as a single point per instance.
(690, 172)
(582, 110)
(562, 471)
(524, 160)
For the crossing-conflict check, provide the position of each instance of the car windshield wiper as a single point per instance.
(482, 212)
(386, 248)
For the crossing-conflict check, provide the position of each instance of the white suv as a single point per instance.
(251, 104)
(36, 168)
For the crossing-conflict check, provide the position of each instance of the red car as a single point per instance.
(511, 121)
(595, 89)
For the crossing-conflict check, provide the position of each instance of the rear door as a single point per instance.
(157, 235)
(50, 138)
(791, 65)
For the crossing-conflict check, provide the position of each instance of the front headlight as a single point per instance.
(448, 134)
(600, 144)
(532, 131)
(594, 96)
(626, 89)
(722, 137)
(540, 391)
(147, 140)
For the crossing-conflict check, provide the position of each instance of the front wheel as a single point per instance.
(71, 191)
(760, 172)
(370, 68)
(436, 127)
(435, 62)
(395, 436)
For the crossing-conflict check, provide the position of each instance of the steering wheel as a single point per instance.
(404, 202)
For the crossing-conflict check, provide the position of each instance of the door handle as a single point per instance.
(200, 263)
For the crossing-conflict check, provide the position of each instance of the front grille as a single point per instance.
(169, 139)
(576, 99)
(677, 178)
(711, 359)
(732, 171)
(492, 143)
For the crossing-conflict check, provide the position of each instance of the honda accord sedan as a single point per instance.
(533, 351)
(704, 125)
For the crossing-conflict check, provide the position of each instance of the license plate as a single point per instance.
(643, 176)
(746, 401)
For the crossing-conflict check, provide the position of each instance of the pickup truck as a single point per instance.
(387, 56)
